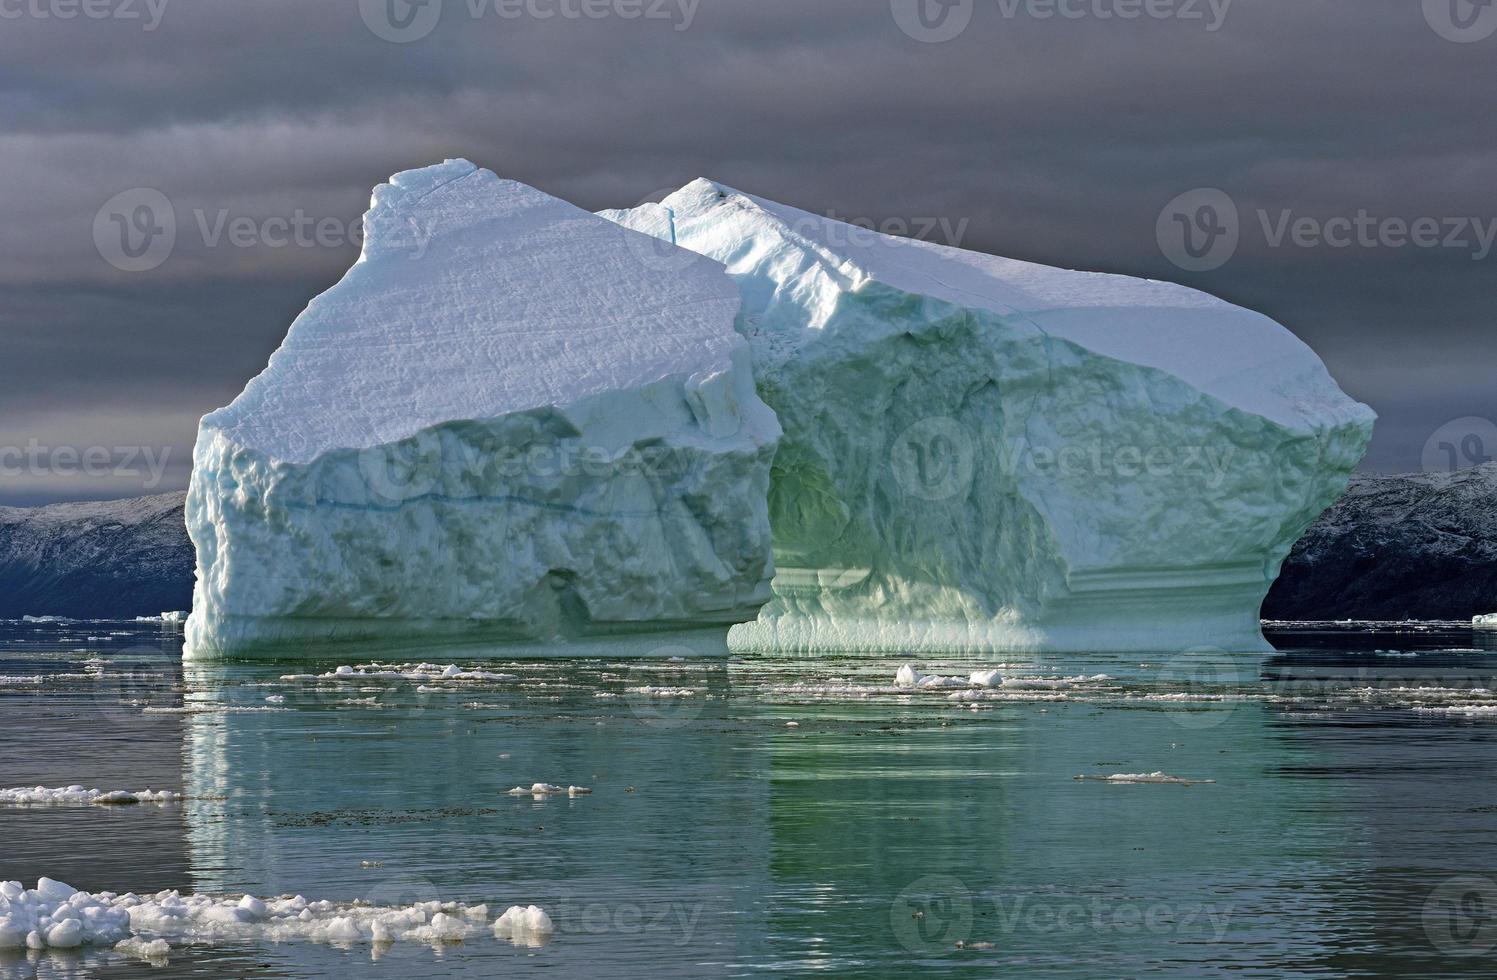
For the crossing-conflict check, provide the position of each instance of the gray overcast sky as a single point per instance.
(1052, 131)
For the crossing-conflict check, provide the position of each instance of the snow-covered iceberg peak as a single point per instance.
(510, 420)
(982, 453)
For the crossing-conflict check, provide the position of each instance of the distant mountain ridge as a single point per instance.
(1418, 546)
(96, 560)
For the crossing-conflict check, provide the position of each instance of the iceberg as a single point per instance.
(983, 454)
(511, 421)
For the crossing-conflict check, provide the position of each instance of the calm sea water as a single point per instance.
(1350, 828)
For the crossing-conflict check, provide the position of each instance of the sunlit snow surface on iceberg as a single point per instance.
(506, 422)
(985, 454)
(721, 840)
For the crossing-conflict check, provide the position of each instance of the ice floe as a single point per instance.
(54, 915)
(66, 795)
(1460, 711)
(1146, 777)
(548, 789)
(208, 709)
(167, 617)
(524, 925)
(909, 677)
(423, 672)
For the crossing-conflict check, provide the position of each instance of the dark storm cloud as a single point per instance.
(1057, 139)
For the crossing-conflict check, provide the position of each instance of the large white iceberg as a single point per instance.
(986, 454)
(511, 420)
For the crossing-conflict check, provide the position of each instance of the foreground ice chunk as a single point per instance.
(524, 925)
(64, 795)
(511, 420)
(56, 915)
(986, 454)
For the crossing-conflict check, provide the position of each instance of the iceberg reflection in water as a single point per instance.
(890, 829)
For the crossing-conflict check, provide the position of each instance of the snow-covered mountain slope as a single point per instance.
(1421, 546)
(115, 559)
(988, 454)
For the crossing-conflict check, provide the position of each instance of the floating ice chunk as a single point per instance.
(514, 382)
(55, 915)
(166, 617)
(524, 925)
(985, 678)
(1489, 619)
(908, 676)
(153, 950)
(209, 709)
(540, 790)
(65, 934)
(1460, 711)
(52, 890)
(64, 795)
(1147, 777)
(404, 672)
